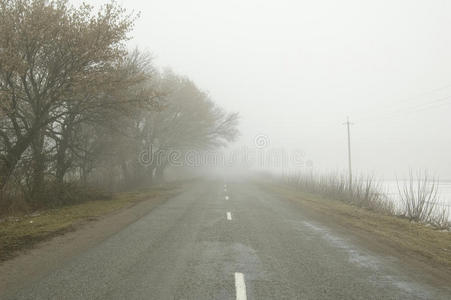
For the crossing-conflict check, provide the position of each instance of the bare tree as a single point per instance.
(190, 120)
(49, 52)
(77, 108)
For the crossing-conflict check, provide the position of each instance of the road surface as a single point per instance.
(234, 241)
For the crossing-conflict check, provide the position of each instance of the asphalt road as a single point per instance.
(235, 243)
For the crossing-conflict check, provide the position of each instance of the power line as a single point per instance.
(439, 102)
(407, 99)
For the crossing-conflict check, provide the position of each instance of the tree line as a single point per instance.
(77, 107)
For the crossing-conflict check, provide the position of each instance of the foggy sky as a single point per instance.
(295, 69)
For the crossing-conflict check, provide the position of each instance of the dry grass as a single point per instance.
(22, 232)
(407, 237)
(364, 192)
(419, 195)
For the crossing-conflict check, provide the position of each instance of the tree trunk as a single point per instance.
(159, 173)
(12, 158)
(38, 168)
(126, 178)
(61, 164)
(150, 172)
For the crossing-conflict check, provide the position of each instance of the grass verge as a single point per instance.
(432, 246)
(17, 233)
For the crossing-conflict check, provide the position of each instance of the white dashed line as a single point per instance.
(240, 287)
(227, 197)
(229, 216)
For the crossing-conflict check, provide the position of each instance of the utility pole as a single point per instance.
(348, 125)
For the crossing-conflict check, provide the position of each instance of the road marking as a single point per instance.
(227, 197)
(229, 216)
(240, 287)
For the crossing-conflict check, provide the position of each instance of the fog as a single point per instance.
(202, 149)
(295, 70)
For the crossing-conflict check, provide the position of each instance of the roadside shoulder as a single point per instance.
(415, 245)
(40, 257)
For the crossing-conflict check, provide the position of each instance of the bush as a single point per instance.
(421, 201)
(419, 196)
(364, 192)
